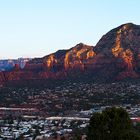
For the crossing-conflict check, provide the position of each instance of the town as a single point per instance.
(58, 111)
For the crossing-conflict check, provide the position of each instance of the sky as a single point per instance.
(35, 28)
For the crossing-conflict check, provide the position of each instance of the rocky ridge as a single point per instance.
(116, 56)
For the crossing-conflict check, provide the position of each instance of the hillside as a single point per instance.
(115, 57)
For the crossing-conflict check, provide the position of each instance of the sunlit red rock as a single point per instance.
(78, 56)
(123, 43)
(126, 55)
(116, 56)
(51, 61)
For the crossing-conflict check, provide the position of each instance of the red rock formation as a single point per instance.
(2, 79)
(16, 67)
(78, 56)
(123, 43)
(116, 55)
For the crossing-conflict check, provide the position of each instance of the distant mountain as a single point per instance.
(116, 56)
(9, 64)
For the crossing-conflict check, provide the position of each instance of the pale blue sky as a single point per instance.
(30, 28)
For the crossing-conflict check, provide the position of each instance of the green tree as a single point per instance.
(111, 124)
(37, 133)
(77, 134)
(10, 119)
(21, 137)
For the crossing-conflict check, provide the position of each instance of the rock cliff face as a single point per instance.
(123, 45)
(116, 56)
(54, 66)
(74, 58)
